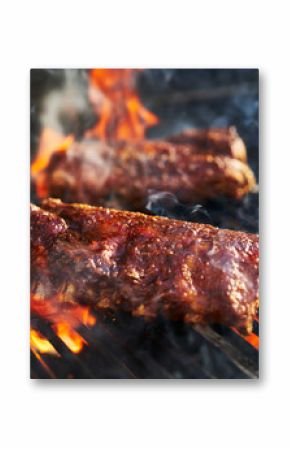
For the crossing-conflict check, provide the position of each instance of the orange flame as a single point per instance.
(40, 344)
(50, 142)
(65, 319)
(72, 339)
(253, 339)
(115, 100)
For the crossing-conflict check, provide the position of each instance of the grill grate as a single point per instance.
(126, 347)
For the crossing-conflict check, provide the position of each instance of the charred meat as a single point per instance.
(218, 141)
(93, 172)
(145, 265)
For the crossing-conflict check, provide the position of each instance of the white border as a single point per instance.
(149, 34)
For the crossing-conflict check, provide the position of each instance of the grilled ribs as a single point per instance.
(216, 141)
(145, 265)
(93, 172)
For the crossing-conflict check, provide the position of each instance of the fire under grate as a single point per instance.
(122, 346)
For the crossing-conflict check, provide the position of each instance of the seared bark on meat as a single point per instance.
(145, 265)
(216, 141)
(92, 172)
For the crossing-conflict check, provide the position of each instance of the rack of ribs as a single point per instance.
(94, 172)
(144, 265)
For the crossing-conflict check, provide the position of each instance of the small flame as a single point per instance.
(253, 339)
(72, 339)
(39, 344)
(115, 100)
(65, 319)
(50, 142)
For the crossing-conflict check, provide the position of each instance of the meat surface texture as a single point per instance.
(144, 265)
(218, 141)
(94, 173)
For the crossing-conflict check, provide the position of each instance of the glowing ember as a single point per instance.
(115, 100)
(65, 319)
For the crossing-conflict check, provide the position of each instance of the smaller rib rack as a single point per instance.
(93, 172)
(216, 141)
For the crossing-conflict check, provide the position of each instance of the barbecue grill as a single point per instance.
(119, 345)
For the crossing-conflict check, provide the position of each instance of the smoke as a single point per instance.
(62, 108)
(59, 101)
(166, 204)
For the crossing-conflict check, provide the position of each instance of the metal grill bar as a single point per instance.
(244, 363)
